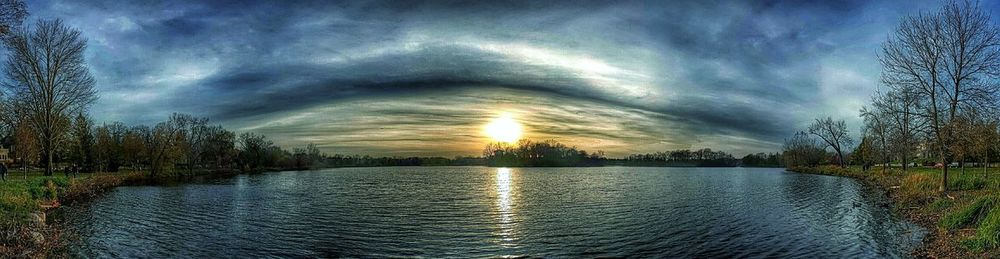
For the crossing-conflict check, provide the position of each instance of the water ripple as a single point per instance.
(489, 212)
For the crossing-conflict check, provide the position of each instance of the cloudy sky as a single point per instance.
(422, 78)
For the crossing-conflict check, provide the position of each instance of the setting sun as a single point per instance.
(504, 129)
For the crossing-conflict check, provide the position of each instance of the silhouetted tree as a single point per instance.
(802, 150)
(192, 135)
(162, 146)
(254, 150)
(539, 154)
(762, 160)
(834, 134)
(219, 146)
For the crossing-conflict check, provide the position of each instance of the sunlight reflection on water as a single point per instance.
(505, 208)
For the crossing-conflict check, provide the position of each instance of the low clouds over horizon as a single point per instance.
(401, 77)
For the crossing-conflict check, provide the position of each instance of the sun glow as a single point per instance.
(504, 129)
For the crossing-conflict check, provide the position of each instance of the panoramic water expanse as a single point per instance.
(491, 212)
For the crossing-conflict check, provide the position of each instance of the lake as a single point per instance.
(497, 212)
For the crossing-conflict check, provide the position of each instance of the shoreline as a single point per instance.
(937, 241)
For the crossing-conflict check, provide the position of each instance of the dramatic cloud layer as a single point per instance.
(403, 77)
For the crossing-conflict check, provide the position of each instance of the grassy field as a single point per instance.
(964, 222)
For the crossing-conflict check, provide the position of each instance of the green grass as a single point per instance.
(940, 205)
(20, 196)
(970, 214)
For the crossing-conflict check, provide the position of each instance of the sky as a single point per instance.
(421, 78)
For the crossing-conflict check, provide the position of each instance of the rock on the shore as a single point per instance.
(38, 218)
(37, 237)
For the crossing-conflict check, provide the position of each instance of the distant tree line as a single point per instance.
(369, 161)
(682, 157)
(763, 160)
(551, 153)
(547, 153)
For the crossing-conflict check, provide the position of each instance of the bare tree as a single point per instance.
(900, 108)
(162, 147)
(802, 150)
(192, 131)
(951, 58)
(12, 14)
(877, 132)
(49, 79)
(834, 133)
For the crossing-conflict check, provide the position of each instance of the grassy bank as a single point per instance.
(965, 222)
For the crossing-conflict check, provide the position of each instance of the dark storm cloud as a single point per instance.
(738, 73)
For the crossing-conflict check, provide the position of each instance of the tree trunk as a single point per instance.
(904, 164)
(963, 167)
(944, 174)
(887, 165)
(986, 162)
(840, 156)
(48, 157)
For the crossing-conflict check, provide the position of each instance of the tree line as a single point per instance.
(551, 153)
(682, 157)
(547, 153)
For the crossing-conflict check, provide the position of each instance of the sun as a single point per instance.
(504, 129)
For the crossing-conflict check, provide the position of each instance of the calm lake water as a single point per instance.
(497, 212)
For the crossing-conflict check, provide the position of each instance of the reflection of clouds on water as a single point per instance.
(504, 207)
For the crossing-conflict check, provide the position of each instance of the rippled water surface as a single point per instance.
(491, 212)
